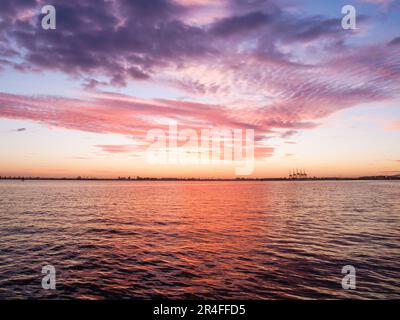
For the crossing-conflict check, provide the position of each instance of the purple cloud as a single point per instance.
(137, 40)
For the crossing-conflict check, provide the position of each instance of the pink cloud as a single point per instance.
(110, 113)
(117, 148)
(116, 113)
(293, 96)
(301, 102)
(394, 126)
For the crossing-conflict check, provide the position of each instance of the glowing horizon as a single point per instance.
(80, 99)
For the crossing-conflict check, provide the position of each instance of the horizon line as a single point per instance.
(138, 178)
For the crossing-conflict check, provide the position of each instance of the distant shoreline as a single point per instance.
(396, 177)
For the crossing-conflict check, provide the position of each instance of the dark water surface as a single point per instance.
(245, 240)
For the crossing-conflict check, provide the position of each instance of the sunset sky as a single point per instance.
(79, 100)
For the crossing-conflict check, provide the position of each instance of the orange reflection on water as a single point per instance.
(244, 240)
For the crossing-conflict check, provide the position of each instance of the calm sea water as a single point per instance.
(217, 240)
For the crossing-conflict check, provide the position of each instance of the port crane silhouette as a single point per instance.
(298, 174)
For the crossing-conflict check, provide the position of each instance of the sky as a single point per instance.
(82, 99)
